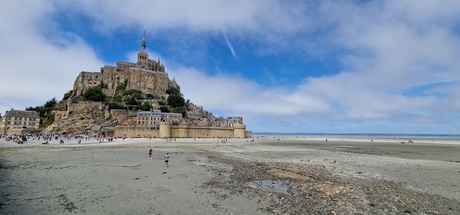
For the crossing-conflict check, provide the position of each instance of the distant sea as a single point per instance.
(363, 136)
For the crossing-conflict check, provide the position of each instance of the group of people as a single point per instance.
(19, 139)
(167, 157)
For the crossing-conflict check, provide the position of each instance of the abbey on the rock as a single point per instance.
(148, 76)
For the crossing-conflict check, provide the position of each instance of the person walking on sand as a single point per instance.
(167, 159)
(150, 153)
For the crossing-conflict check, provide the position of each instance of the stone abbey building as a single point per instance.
(148, 76)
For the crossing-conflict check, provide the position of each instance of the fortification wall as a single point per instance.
(22, 131)
(248, 134)
(126, 131)
(239, 130)
(165, 129)
(182, 131)
(81, 105)
(122, 115)
(179, 131)
(197, 131)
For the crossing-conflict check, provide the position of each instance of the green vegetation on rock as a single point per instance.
(46, 118)
(122, 99)
(94, 94)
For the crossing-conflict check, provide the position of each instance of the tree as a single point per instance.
(115, 106)
(94, 94)
(165, 109)
(144, 107)
(117, 99)
(172, 91)
(67, 95)
(181, 110)
(187, 104)
(176, 101)
(132, 101)
(46, 118)
(51, 103)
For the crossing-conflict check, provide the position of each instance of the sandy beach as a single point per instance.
(271, 175)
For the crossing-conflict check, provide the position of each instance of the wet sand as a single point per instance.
(117, 177)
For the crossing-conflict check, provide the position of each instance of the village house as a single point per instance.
(19, 122)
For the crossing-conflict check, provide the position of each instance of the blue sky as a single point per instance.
(284, 66)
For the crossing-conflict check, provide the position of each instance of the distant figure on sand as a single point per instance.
(167, 159)
(150, 153)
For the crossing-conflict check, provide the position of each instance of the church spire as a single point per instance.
(143, 57)
(143, 51)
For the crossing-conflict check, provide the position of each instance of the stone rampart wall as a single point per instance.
(127, 131)
(182, 132)
(22, 131)
(248, 134)
(122, 115)
(197, 131)
(239, 130)
(81, 105)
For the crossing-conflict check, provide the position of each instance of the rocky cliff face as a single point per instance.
(80, 117)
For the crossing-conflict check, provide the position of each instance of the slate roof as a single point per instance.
(96, 128)
(110, 128)
(21, 113)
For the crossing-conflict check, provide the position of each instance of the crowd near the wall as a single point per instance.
(58, 138)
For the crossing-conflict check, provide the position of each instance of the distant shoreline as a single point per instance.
(362, 135)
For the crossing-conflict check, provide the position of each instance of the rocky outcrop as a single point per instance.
(81, 116)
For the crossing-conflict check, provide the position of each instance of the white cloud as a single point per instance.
(230, 46)
(236, 95)
(266, 21)
(37, 62)
(386, 48)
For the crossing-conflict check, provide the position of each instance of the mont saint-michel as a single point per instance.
(126, 100)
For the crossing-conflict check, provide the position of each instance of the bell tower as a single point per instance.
(143, 57)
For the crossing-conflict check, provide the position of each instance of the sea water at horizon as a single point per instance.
(362, 136)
